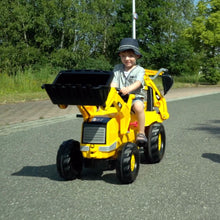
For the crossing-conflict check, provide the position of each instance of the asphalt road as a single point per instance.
(185, 185)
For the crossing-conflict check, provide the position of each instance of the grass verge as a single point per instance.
(25, 86)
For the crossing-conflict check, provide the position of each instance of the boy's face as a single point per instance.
(128, 58)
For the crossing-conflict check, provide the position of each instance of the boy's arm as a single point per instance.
(114, 84)
(132, 87)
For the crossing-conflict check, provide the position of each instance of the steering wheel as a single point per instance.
(124, 97)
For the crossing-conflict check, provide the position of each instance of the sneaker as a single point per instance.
(141, 138)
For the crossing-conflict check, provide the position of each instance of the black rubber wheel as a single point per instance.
(69, 160)
(127, 164)
(155, 148)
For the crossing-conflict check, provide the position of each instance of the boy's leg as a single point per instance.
(138, 108)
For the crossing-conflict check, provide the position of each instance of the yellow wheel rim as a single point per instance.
(159, 142)
(132, 162)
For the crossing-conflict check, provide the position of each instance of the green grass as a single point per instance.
(26, 86)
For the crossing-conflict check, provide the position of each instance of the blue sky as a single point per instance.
(196, 1)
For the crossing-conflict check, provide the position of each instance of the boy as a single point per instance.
(129, 78)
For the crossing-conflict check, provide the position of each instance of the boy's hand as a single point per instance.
(132, 87)
(124, 90)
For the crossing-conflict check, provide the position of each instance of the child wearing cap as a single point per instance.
(129, 78)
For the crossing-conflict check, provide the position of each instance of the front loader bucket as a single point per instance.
(80, 87)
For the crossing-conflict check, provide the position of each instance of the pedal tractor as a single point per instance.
(109, 128)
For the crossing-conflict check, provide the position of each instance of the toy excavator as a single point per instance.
(109, 128)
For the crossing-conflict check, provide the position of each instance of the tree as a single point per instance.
(80, 33)
(204, 34)
(159, 29)
(96, 29)
(15, 48)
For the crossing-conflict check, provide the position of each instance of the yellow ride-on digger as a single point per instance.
(109, 128)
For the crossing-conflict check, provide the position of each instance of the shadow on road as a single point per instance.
(212, 157)
(212, 126)
(47, 171)
(50, 172)
(91, 174)
(88, 174)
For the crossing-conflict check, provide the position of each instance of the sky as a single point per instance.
(196, 1)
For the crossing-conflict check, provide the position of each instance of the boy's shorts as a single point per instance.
(137, 99)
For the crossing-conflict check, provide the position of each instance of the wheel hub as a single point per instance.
(132, 163)
(159, 142)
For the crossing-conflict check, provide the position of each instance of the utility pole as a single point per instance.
(134, 17)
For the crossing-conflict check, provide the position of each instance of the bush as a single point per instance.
(188, 79)
(99, 63)
(211, 70)
(63, 58)
(14, 59)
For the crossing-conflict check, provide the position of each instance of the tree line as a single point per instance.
(85, 34)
